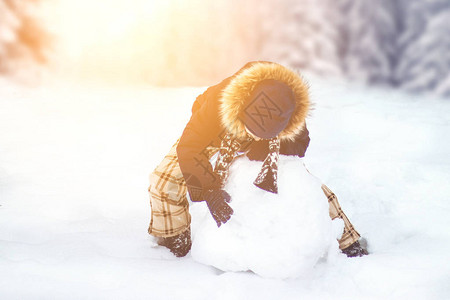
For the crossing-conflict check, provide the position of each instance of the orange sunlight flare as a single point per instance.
(166, 42)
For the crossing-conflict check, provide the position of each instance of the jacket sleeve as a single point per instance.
(202, 130)
(260, 149)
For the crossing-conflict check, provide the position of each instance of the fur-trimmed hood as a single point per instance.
(236, 94)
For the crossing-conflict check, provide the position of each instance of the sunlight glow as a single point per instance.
(103, 34)
(90, 22)
(142, 40)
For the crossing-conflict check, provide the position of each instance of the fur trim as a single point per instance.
(234, 97)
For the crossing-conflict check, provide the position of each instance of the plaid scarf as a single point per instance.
(267, 177)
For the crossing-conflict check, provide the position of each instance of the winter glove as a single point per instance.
(217, 203)
(355, 249)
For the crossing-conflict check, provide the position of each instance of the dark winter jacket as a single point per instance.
(216, 112)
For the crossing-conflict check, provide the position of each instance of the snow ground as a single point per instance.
(74, 165)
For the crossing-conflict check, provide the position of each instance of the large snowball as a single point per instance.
(280, 235)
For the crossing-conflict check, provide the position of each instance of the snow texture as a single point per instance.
(74, 208)
(280, 235)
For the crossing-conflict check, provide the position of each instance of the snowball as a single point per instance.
(280, 235)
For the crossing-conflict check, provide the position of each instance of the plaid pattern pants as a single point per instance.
(170, 207)
(168, 198)
(350, 235)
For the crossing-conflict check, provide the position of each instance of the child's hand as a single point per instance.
(217, 201)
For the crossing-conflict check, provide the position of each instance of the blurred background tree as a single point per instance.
(22, 40)
(393, 43)
(424, 47)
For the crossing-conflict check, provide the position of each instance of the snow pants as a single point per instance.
(170, 207)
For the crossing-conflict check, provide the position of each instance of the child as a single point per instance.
(261, 111)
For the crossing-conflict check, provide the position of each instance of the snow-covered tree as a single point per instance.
(401, 43)
(424, 59)
(304, 36)
(21, 37)
(369, 31)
